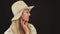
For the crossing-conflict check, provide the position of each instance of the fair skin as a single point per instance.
(25, 19)
(22, 26)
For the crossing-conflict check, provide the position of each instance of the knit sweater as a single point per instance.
(32, 29)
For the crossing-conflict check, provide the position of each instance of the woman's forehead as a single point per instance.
(26, 9)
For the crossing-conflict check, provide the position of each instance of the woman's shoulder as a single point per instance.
(31, 25)
(32, 28)
(8, 31)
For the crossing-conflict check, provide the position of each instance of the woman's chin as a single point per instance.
(27, 20)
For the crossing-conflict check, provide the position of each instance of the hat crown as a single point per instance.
(18, 6)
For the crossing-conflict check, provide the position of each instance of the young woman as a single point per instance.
(20, 20)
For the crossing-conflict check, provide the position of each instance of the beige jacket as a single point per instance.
(32, 28)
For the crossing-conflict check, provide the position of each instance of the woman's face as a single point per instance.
(26, 14)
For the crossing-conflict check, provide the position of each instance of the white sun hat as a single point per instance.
(17, 9)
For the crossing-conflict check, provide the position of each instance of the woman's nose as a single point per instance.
(29, 14)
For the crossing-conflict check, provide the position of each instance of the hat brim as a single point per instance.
(20, 13)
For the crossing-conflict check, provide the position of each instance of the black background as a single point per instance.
(41, 15)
